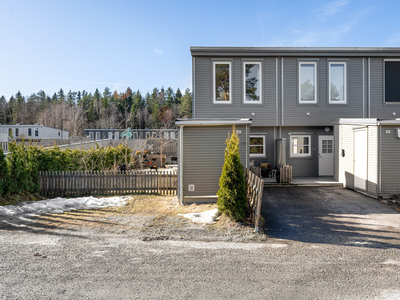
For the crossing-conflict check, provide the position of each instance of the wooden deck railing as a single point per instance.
(254, 191)
(107, 183)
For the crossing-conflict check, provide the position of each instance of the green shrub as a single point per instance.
(232, 186)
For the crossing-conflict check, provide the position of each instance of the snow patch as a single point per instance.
(60, 205)
(205, 217)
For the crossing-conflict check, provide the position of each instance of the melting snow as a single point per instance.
(59, 205)
(205, 217)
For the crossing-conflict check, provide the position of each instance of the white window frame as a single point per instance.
(315, 101)
(16, 132)
(166, 135)
(173, 136)
(147, 135)
(91, 136)
(309, 145)
(29, 132)
(258, 154)
(36, 132)
(244, 82)
(135, 135)
(116, 135)
(344, 83)
(98, 136)
(110, 135)
(230, 82)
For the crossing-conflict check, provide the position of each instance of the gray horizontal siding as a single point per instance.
(203, 157)
(321, 113)
(378, 108)
(265, 114)
(390, 161)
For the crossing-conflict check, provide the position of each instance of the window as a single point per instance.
(29, 131)
(166, 135)
(257, 145)
(222, 82)
(337, 83)
(91, 135)
(392, 79)
(147, 135)
(116, 134)
(36, 132)
(16, 132)
(300, 145)
(327, 146)
(135, 135)
(252, 82)
(153, 135)
(59, 133)
(97, 136)
(110, 135)
(172, 135)
(307, 82)
(10, 132)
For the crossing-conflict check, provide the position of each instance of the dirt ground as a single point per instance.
(150, 217)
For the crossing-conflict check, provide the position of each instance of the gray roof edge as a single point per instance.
(277, 51)
(296, 49)
(192, 122)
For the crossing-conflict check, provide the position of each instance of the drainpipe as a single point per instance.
(247, 146)
(181, 164)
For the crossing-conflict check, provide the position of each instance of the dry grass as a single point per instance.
(152, 217)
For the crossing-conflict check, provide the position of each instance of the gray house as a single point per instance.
(295, 97)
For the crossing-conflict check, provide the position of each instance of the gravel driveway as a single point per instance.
(88, 263)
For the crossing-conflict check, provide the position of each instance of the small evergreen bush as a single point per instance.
(232, 185)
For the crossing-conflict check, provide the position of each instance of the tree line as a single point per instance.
(75, 111)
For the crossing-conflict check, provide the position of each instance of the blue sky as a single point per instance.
(84, 45)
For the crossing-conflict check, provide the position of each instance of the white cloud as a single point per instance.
(393, 40)
(158, 51)
(330, 9)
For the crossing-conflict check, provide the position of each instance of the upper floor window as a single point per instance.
(257, 145)
(135, 136)
(147, 135)
(16, 132)
(29, 131)
(116, 134)
(337, 83)
(97, 136)
(222, 80)
(392, 79)
(91, 135)
(110, 135)
(300, 145)
(307, 82)
(252, 82)
(36, 132)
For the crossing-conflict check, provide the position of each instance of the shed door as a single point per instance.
(325, 157)
(360, 159)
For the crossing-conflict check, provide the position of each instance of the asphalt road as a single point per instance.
(341, 260)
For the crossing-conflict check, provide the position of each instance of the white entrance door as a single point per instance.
(360, 159)
(325, 160)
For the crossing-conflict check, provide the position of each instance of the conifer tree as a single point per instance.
(232, 187)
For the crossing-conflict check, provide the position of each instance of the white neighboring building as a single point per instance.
(35, 131)
(4, 141)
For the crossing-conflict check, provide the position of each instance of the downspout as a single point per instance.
(181, 165)
(379, 161)
(247, 146)
(193, 87)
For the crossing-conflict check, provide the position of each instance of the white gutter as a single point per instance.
(181, 164)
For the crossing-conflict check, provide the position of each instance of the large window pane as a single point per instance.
(300, 145)
(257, 145)
(337, 84)
(307, 82)
(392, 79)
(222, 88)
(252, 82)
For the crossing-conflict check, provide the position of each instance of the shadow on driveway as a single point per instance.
(330, 215)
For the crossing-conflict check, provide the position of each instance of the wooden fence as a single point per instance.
(285, 174)
(254, 192)
(107, 183)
